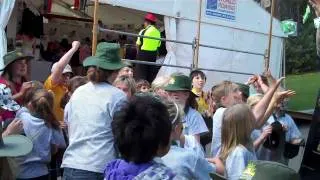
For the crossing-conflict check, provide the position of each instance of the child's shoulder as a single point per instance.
(242, 152)
(156, 171)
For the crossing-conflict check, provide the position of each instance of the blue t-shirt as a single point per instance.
(194, 123)
(237, 162)
(35, 163)
(277, 155)
(188, 164)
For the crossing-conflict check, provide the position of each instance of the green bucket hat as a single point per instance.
(89, 61)
(107, 57)
(14, 145)
(179, 82)
(12, 56)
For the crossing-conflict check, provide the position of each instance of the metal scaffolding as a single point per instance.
(193, 44)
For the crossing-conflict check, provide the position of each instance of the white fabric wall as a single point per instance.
(225, 60)
(171, 29)
(6, 8)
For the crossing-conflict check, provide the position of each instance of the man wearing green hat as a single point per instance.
(179, 89)
(90, 113)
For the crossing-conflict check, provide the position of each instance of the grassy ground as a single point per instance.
(306, 87)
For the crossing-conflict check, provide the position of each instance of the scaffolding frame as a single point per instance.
(195, 44)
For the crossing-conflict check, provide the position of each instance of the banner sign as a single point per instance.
(224, 9)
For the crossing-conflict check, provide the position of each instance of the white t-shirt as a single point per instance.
(216, 131)
(90, 112)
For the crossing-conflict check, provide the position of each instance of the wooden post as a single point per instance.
(95, 27)
(267, 58)
(196, 54)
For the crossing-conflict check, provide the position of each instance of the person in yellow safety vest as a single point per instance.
(148, 49)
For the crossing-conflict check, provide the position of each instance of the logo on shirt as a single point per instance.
(249, 172)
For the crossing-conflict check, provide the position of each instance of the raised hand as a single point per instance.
(252, 79)
(75, 45)
(280, 96)
(316, 6)
(25, 86)
(266, 132)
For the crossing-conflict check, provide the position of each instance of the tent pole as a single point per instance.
(196, 53)
(267, 58)
(95, 27)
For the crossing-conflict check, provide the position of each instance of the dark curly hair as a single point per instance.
(141, 128)
(195, 73)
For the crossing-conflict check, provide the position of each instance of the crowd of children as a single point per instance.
(108, 126)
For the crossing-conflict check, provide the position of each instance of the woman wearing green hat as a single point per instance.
(90, 112)
(14, 75)
(179, 90)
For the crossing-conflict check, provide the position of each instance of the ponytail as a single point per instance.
(42, 105)
(99, 75)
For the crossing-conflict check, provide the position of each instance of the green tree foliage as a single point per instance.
(301, 55)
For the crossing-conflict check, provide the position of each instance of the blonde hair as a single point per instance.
(237, 125)
(160, 83)
(42, 106)
(130, 82)
(253, 100)
(223, 89)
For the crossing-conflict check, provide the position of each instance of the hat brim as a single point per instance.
(110, 66)
(151, 20)
(98, 62)
(174, 88)
(89, 61)
(11, 106)
(15, 145)
(19, 58)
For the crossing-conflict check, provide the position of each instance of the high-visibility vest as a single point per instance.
(149, 44)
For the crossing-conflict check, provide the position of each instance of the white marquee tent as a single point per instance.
(234, 24)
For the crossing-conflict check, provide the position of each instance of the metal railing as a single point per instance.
(184, 67)
(193, 44)
(176, 41)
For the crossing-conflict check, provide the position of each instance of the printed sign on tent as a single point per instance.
(224, 9)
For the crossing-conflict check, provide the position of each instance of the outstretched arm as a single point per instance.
(61, 64)
(260, 109)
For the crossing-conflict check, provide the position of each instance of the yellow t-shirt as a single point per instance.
(202, 104)
(58, 91)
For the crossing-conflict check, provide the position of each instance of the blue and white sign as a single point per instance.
(224, 9)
